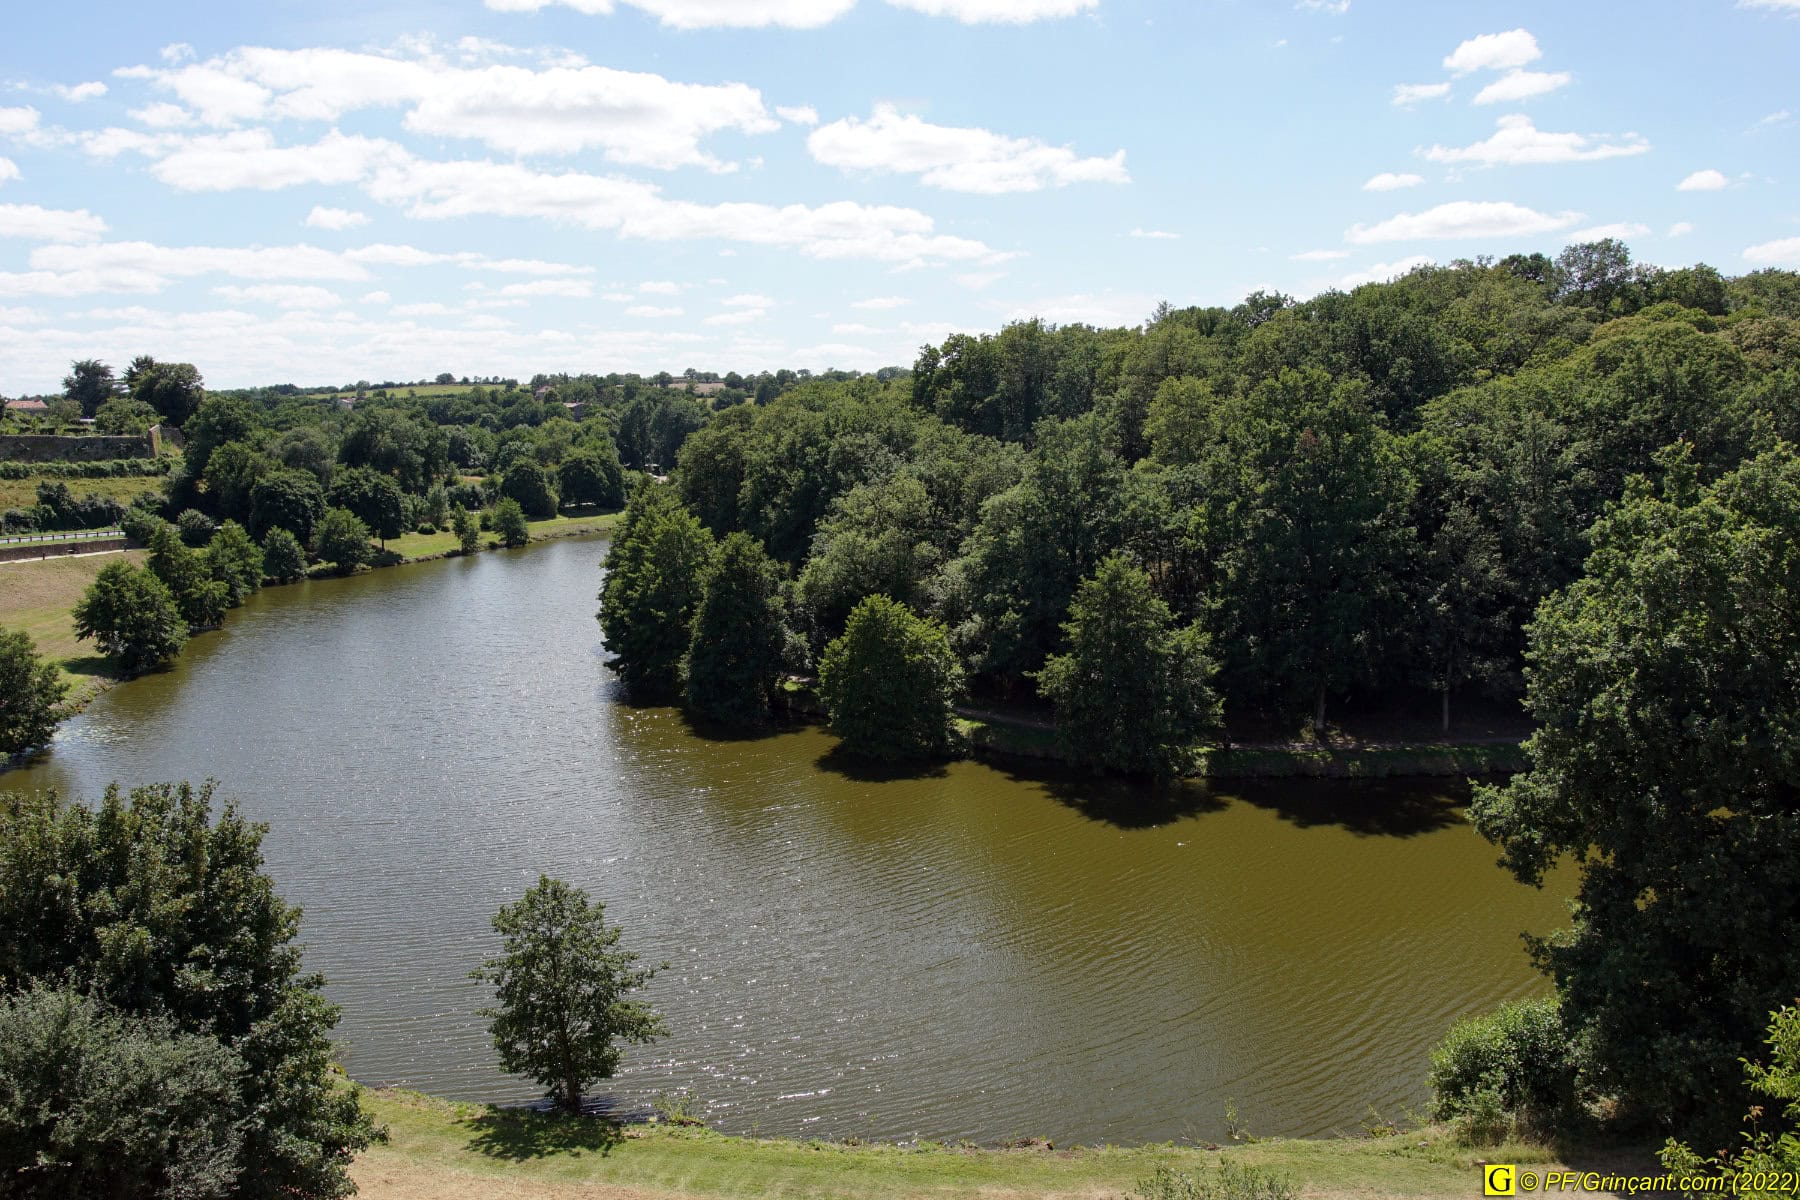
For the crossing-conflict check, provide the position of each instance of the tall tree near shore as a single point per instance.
(132, 617)
(563, 990)
(1666, 769)
(889, 682)
(31, 694)
(1133, 693)
(735, 658)
(656, 573)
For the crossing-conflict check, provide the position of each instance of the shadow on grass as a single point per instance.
(1367, 807)
(519, 1134)
(92, 666)
(858, 769)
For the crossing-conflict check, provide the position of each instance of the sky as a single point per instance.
(320, 191)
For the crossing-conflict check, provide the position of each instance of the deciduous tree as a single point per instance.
(889, 681)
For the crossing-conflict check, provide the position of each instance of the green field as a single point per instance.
(442, 1149)
(22, 493)
(423, 391)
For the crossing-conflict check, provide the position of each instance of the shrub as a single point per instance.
(95, 1103)
(283, 558)
(195, 526)
(427, 527)
(1514, 1061)
(510, 523)
(1224, 1180)
(342, 540)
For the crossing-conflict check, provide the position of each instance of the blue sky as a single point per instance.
(320, 191)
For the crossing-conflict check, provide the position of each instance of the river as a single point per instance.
(967, 952)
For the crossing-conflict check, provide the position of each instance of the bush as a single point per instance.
(1514, 1061)
(427, 527)
(195, 526)
(94, 1103)
(283, 558)
(510, 523)
(1225, 1180)
(341, 540)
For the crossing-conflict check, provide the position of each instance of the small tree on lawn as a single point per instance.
(342, 540)
(510, 523)
(562, 990)
(889, 681)
(283, 557)
(468, 530)
(131, 615)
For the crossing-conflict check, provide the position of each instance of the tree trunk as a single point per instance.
(1446, 696)
(572, 1094)
(1319, 715)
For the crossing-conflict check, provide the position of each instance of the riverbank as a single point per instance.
(452, 1151)
(39, 595)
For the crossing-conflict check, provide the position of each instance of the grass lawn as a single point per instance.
(462, 1151)
(36, 595)
(22, 493)
(410, 546)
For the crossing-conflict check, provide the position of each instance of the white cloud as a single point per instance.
(798, 114)
(1319, 255)
(737, 316)
(957, 159)
(282, 295)
(250, 159)
(1493, 52)
(1618, 229)
(1515, 86)
(15, 121)
(1155, 234)
(176, 52)
(322, 217)
(1336, 8)
(162, 115)
(659, 287)
(1703, 181)
(579, 288)
(1382, 272)
(1008, 12)
(1782, 253)
(748, 300)
(1773, 120)
(80, 91)
(706, 14)
(881, 302)
(8, 169)
(49, 224)
(1407, 94)
(78, 270)
(429, 308)
(1388, 181)
(1518, 142)
(853, 329)
(376, 297)
(1777, 5)
(651, 310)
(838, 230)
(1463, 219)
(637, 118)
(1680, 229)
(1105, 309)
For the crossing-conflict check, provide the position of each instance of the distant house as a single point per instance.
(26, 406)
(577, 408)
(346, 402)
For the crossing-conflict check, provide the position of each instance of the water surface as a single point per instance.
(967, 952)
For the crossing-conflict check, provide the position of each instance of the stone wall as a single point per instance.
(44, 447)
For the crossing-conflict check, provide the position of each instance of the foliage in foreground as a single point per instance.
(95, 1103)
(148, 905)
(31, 694)
(1509, 1067)
(1666, 764)
(889, 682)
(562, 990)
(1225, 1180)
(1766, 1151)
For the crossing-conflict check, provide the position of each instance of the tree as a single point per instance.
(510, 524)
(735, 657)
(90, 384)
(1462, 606)
(93, 1103)
(132, 617)
(529, 484)
(201, 598)
(373, 497)
(1663, 766)
(283, 556)
(468, 530)
(31, 694)
(149, 905)
(341, 540)
(174, 390)
(889, 682)
(1133, 693)
(656, 571)
(195, 527)
(290, 499)
(122, 416)
(234, 560)
(562, 990)
(588, 477)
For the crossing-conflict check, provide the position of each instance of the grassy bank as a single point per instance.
(39, 595)
(454, 1151)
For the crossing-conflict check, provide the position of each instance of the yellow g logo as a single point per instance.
(1499, 1179)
